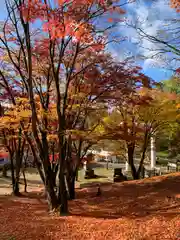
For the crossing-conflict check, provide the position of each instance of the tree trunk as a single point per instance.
(36, 159)
(62, 189)
(38, 165)
(77, 173)
(72, 173)
(55, 171)
(54, 179)
(47, 178)
(140, 169)
(12, 174)
(40, 170)
(62, 195)
(131, 148)
(46, 175)
(16, 188)
(144, 148)
(71, 185)
(19, 156)
(18, 168)
(25, 182)
(51, 196)
(134, 172)
(4, 171)
(107, 164)
(49, 175)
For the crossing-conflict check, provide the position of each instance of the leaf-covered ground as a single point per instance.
(146, 209)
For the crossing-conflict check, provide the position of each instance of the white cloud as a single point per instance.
(151, 63)
(151, 18)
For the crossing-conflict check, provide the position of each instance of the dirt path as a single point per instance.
(33, 181)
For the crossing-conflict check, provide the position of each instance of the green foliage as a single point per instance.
(172, 85)
(163, 154)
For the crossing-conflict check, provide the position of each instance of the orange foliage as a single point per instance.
(33, 9)
(69, 18)
(175, 4)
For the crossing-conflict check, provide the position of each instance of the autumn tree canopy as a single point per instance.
(61, 82)
(56, 73)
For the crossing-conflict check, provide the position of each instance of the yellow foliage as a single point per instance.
(100, 129)
(75, 106)
(52, 137)
(25, 114)
(107, 120)
(178, 106)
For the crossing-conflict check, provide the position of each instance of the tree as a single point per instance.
(162, 47)
(45, 62)
(175, 4)
(12, 139)
(172, 86)
(136, 118)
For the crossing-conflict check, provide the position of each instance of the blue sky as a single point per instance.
(151, 17)
(154, 17)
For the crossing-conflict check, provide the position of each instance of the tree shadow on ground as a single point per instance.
(145, 209)
(32, 182)
(156, 196)
(95, 183)
(7, 180)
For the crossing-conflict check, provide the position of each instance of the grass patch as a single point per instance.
(162, 162)
(105, 175)
(163, 154)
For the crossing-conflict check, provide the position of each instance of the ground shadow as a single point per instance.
(32, 182)
(7, 180)
(94, 184)
(130, 199)
(27, 217)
